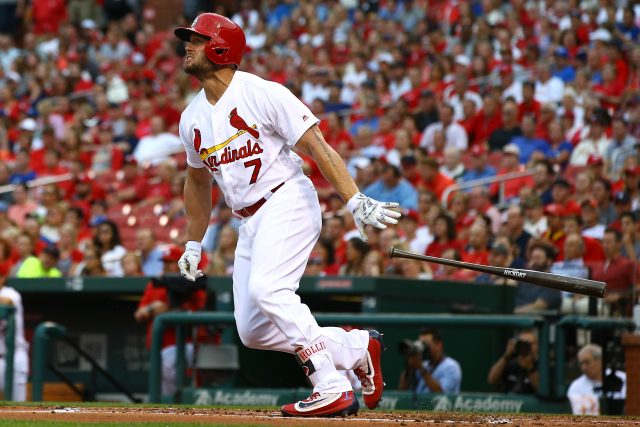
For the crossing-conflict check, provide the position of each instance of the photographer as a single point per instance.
(517, 370)
(428, 369)
(585, 392)
(170, 292)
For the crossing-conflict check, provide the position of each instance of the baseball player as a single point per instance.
(242, 130)
(9, 296)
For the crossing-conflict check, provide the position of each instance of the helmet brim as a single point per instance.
(184, 33)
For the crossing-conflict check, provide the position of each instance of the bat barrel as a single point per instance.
(540, 278)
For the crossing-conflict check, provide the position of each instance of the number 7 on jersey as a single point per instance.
(255, 164)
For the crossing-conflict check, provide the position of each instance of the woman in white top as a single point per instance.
(107, 241)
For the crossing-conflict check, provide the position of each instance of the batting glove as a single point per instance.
(366, 210)
(189, 261)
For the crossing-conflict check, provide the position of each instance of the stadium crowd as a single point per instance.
(416, 96)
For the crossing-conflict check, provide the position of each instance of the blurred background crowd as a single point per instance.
(416, 96)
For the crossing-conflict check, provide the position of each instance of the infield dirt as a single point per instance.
(197, 416)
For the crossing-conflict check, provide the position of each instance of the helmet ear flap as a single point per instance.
(215, 53)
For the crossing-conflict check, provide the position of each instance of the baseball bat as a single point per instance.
(548, 280)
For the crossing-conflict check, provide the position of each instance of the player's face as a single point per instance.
(195, 62)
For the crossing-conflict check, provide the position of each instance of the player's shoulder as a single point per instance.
(194, 104)
(257, 83)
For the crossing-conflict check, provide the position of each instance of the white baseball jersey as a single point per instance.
(16, 299)
(245, 140)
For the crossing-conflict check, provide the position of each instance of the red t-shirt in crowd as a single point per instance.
(619, 273)
(151, 294)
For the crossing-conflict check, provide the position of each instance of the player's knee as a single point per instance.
(248, 336)
(259, 294)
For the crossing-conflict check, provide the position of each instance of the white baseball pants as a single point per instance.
(20, 375)
(271, 255)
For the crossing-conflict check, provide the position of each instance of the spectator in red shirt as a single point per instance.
(555, 227)
(488, 120)
(431, 178)
(456, 274)
(510, 163)
(476, 250)
(528, 105)
(592, 247)
(159, 189)
(131, 187)
(561, 195)
(619, 273)
(156, 299)
(445, 237)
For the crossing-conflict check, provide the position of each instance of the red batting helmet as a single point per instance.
(227, 41)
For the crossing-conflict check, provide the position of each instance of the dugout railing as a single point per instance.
(183, 320)
(45, 334)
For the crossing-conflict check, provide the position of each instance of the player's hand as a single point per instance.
(366, 210)
(189, 261)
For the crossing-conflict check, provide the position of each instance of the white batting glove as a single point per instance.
(366, 210)
(189, 261)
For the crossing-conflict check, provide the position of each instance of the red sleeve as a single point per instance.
(117, 158)
(197, 301)
(151, 294)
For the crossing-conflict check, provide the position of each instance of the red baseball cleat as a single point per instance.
(369, 372)
(324, 405)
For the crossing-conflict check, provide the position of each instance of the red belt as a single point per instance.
(251, 210)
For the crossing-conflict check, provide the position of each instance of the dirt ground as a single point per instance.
(272, 418)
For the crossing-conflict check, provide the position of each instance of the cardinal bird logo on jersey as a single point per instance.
(197, 139)
(238, 122)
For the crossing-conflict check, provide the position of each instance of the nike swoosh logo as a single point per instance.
(304, 405)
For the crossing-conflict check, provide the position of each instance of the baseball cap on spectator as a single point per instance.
(595, 160)
(28, 124)
(621, 197)
(499, 249)
(601, 35)
(511, 149)
(172, 254)
(411, 214)
(361, 162)
(97, 220)
(478, 150)
(554, 209)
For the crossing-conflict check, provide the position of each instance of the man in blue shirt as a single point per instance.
(479, 166)
(528, 143)
(437, 373)
(394, 188)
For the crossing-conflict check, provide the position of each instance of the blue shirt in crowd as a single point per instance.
(527, 147)
(403, 193)
(472, 174)
(448, 374)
